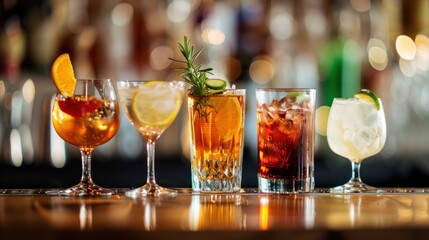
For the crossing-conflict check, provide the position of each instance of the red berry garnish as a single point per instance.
(78, 107)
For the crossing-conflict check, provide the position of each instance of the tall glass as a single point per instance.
(356, 130)
(285, 119)
(151, 106)
(87, 119)
(217, 124)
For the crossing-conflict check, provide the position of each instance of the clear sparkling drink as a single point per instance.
(356, 129)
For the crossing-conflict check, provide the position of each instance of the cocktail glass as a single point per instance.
(356, 130)
(285, 123)
(217, 124)
(87, 119)
(151, 106)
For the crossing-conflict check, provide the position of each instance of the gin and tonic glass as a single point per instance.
(86, 120)
(151, 106)
(356, 130)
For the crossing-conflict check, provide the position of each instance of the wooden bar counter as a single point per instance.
(246, 215)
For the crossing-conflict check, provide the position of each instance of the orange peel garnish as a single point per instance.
(63, 76)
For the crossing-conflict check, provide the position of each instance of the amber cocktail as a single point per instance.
(87, 119)
(217, 123)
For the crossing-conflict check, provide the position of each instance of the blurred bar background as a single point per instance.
(336, 47)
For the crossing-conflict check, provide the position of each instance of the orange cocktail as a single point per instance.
(85, 113)
(85, 121)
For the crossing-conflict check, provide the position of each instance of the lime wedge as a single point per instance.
(216, 84)
(322, 115)
(300, 96)
(368, 96)
(156, 103)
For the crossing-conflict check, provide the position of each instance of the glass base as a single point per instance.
(405, 190)
(151, 189)
(285, 185)
(86, 190)
(215, 180)
(355, 187)
(216, 186)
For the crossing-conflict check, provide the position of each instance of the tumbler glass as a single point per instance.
(285, 129)
(217, 125)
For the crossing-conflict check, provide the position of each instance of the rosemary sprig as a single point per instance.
(193, 73)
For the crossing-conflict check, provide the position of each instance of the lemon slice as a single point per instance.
(368, 96)
(156, 103)
(322, 115)
(229, 116)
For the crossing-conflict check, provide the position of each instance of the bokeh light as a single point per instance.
(28, 91)
(2, 90)
(361, 5)
(422, 52)
(315, 22)
(281, 26)
(159, 57)
(178, 10)
(213, 36)
(377, 57)
(122, 14)
(262, 70)
(15, 148)
(405, 47)
(408, 68)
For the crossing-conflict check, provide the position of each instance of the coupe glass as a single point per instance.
(356, 130)
(87, 119)
(151, 106)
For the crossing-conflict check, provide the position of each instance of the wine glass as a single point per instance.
(151, 106)
(87, 119)
(356, 130)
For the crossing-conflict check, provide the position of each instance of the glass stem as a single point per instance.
(86, 165)
(151, 163)
(355, 172)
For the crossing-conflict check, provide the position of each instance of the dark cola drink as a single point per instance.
(285, 127)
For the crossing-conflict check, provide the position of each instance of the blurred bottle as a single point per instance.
(16, 95)
(339, 58)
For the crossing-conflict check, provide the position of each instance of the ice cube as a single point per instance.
(284, 124)
(291, 114)
(287, 103)
(363, 138)
(274, 105)
(376, 145)
(268, 116)
(305, 105)
(371, 118)
(348, 135)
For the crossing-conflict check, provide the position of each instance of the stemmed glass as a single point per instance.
(356, 130)
(151, 106)
(87, 119)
